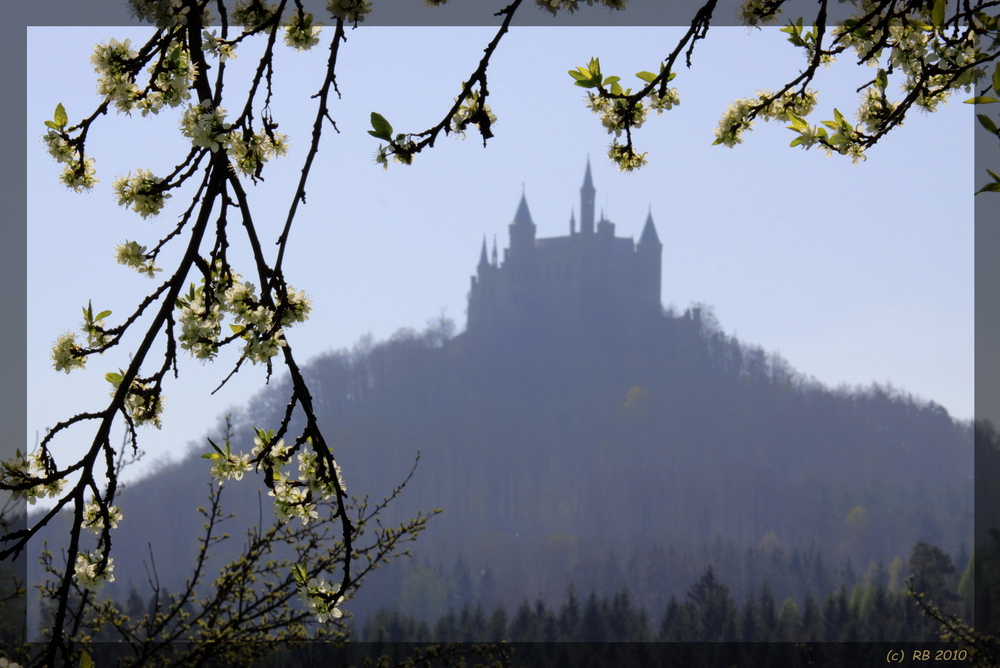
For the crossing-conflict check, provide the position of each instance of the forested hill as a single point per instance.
(551, 452)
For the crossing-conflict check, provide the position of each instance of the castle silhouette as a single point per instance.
(590, 279)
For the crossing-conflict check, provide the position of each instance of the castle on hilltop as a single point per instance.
(589, 278)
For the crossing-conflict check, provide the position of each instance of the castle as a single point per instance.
(590, 278)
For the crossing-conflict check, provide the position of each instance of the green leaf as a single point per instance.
(981, 99)
(616, 88)
(611, 80)
(937, 13)
(920, 25)
(990, 188)
(993, 174)
(50, 124)
(60, 116)
(217, 448)
(796, 141)
(211, 455)
(987, 123)
(881, 79)
(86, 661)
(102, 315)
(580, 74)
(996, 79)
(646, 76)
(114, 378)
(383, 130)
(798, 123)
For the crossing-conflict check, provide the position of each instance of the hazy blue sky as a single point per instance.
(855, 274)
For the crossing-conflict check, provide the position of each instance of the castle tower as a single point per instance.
(522, 234)
(587, 193)
(649, 258)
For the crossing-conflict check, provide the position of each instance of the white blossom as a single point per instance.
(350, 11)
(322, 598)
(20, 470)
(79, 177)
(204, 125)
(87, 571)
(302, 34)
(93, 520)
(140, 191)
(66, 353)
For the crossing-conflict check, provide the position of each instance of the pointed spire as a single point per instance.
(649, 235)
(483, 261)
(494, 250)
(587, 202)
(572, 222)
(523, 216)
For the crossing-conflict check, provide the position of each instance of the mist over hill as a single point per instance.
(601, 455)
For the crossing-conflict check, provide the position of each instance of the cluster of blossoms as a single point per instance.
(94, 520)
(469, 112)
(753, 13)
(845, 140)
(291, 499)
(626, 159)
(79, 176)
(30, 470)
(322, 598)
(221, 49)
(402, 152)
(201, 320)
(143, 401)
(917, 50)
(142, 191)
(67, 353)
(58, 146)
(250, 151)
(170, 81)
(171, 77)
(349, 11)
(616, 114)
(271, 455)
(227, 464)
(554, 6)
(736, 120)
(204, 124)
(87, 571)
(131, 254)
(252, 15)
(200, 323)
(114, 64)
(303, 34)
(874, 109)
(94, 327)
(325, 489)
(665, 102)
(168, 13)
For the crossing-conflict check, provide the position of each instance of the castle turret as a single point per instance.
(587, 193)
(483, 259)
(649, 259)
(522, 233)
